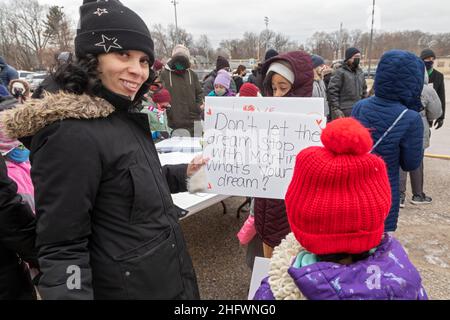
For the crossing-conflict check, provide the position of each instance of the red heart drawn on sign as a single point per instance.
(209, 186)
(209, 113)
(319, 122)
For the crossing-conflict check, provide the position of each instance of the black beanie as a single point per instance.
(107, 26)
(270, 54)
(427, 53)
(222, 63)
(350, 52)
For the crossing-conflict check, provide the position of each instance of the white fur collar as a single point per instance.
(281, 283)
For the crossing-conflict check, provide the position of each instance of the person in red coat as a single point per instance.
(287, 75)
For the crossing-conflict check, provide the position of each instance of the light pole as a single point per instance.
(371, 38)
(176, 20)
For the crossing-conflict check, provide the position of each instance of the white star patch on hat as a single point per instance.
(108, 43)
(99, 11)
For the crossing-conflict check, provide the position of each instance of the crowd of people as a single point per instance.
(86, 209)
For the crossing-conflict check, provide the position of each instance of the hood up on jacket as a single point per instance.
(400, 78)
(303, 69)
(27, 119)
(2, 62)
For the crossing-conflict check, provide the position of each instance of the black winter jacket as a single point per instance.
(17, 237)
(346, 87)
(437, 79)
(107, 227)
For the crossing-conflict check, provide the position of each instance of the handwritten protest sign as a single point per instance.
(252, 150)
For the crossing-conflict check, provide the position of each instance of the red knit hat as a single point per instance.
(340, 194)
(161, 96)
(157, 65)
(248, 90)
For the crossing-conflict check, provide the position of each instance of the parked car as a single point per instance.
(373, 71)
(23, 74)
(35, 80)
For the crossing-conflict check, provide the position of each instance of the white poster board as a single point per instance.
(252, 153)
(261, 269)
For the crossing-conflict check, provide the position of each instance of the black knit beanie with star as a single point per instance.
(107, 25)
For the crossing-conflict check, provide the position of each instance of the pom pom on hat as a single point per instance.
(347, 136)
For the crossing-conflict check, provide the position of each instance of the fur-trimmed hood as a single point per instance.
(26, 120)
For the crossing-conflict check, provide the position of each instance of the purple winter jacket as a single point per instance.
(385, 275)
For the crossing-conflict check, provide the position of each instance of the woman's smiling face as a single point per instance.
(124, 72)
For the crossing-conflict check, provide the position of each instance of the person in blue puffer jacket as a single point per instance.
(398, 87)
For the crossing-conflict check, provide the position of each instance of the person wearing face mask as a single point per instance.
(238, 76)
(287, 75)
(437, 79)
(107, 227)
(208, 83)
(222, 85)
(347, 86)
(319, 89)
(186, 92)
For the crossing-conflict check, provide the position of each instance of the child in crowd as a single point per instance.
(320, 89)
(336, 204)
(222, 85)
(156, 109)
(249, 90)
(248, 231)
(432, 110)
(287, 75)
(17, 162)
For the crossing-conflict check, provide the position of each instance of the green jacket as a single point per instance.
(187, 97)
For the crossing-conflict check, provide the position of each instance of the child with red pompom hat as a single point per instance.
(336, 205)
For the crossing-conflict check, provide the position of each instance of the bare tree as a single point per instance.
(280, 42)
(27, 19)
(203, 47)
(266, 38)
(165, 39)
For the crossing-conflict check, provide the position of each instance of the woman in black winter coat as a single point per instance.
(107, 227)
(17, 236)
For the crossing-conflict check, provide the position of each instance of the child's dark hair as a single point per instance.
(240, 68)
(337, 257)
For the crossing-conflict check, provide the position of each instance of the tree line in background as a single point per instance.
(32, 34)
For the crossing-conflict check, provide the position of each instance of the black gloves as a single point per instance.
(438, 123)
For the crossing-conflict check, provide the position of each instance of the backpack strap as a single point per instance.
(389, 129)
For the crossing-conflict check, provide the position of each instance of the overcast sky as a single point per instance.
(298, 19)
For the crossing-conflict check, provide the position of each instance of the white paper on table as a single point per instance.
(180, 144)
